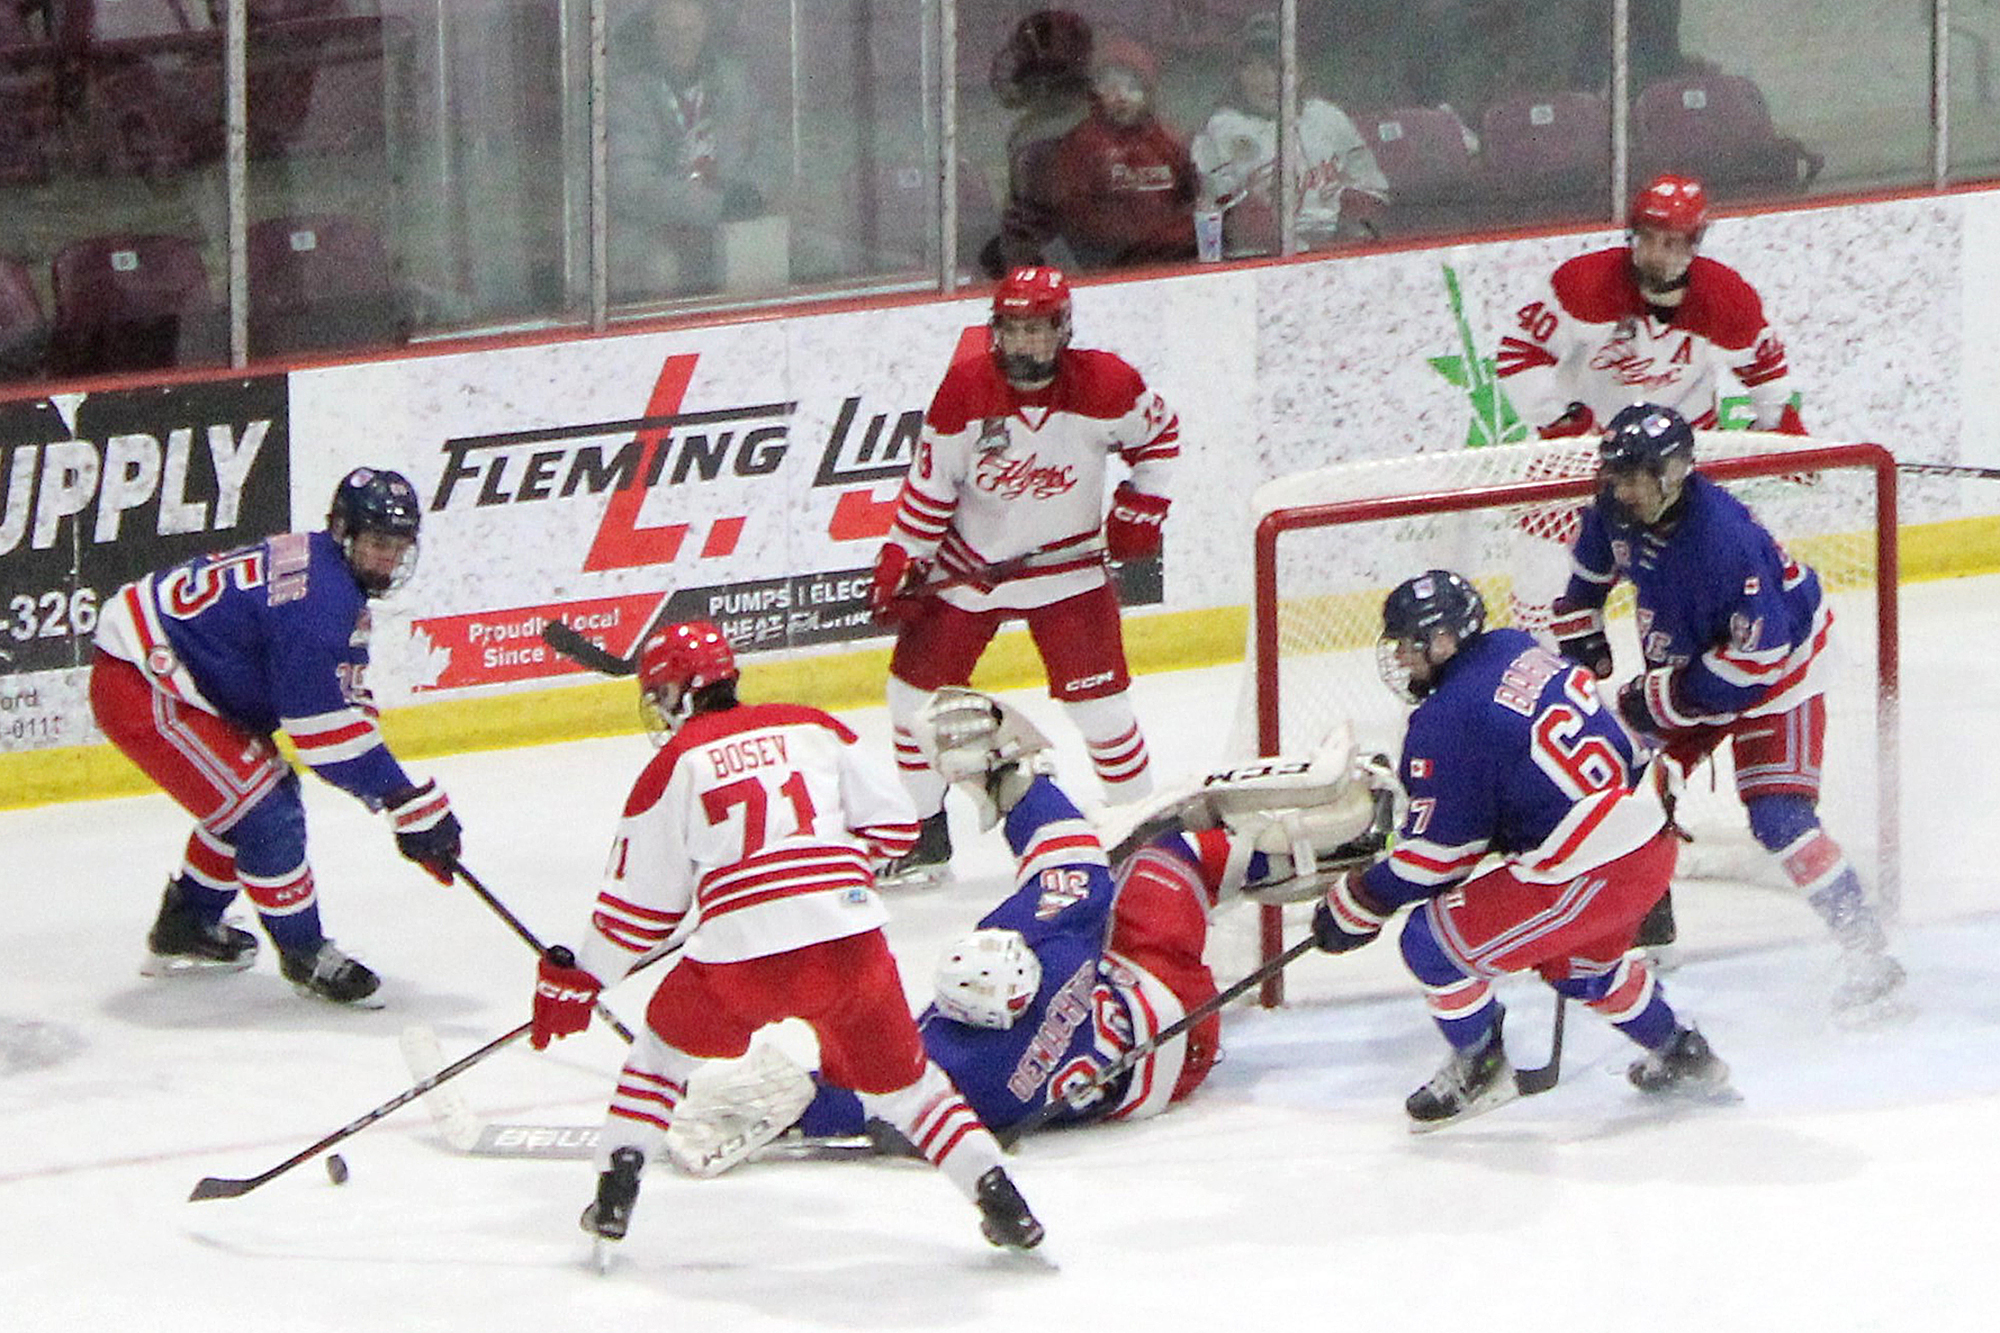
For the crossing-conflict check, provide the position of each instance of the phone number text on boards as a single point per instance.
(57, 613)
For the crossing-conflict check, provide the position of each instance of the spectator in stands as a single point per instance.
(1043, 75)
(685, 151)
(1121, 184)
(1237, 155)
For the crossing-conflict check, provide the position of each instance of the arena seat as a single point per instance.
(1542, 144)
(1716, 127)
(1422, 150)
(130, 302)
(319, 282)
(24, 328)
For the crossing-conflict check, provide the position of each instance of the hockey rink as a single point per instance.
(1851, 1188)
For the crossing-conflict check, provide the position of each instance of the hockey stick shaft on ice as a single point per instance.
(520, 928)
(223, 1187)
(1055, 1106)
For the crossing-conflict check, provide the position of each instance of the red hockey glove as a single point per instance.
(894, 572)
(1578, 420)
(1132, 528)
(564, 996)
(1347, 917)
(1579, 635)
(426, 829)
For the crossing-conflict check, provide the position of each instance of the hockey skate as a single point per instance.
(329, 974)
(1471, 1083)
(1685, 1067)
(182, 943)
(925, 864)
(609, 1215)
(1004, 1218)
(1869, 989)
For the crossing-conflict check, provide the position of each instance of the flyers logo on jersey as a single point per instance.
(1015, 477)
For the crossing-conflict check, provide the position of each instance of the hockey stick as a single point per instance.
(1951, 470)
(1046, 556)
(1048, 1110)
(222, 1187)
(558, 635)
(1529, 1082)
(520, 928)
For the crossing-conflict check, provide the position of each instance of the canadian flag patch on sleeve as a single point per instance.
(1420, 768)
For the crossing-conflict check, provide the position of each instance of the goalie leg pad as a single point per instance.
(733, 1108)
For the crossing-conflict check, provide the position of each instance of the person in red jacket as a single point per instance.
(1121, 186)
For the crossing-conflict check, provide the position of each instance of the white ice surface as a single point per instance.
(1853, 1188)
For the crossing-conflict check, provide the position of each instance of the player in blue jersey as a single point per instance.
(1733, 630)
(1511, 754)
(196, 668)
(1091, 954)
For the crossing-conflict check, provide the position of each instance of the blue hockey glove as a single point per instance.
(1580, 637)
(427, 831)
(1347, 917)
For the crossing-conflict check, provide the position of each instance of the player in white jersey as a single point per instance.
(1236, 153)
(1650, 321)
(999, 518)
(751, 841)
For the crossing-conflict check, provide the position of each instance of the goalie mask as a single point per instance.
(988, 979)
(1030, 326)
(681, 666)
(1425, 620)
(374, 518)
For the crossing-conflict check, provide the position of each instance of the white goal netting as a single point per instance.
(1332, 543)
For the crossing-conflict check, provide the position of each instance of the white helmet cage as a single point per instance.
(988, 979)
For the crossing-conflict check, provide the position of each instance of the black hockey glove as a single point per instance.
(427, 831)
(1579, 635)
(1347, 917)
(1644, 703)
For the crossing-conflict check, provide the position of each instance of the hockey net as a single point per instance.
(1331, 543)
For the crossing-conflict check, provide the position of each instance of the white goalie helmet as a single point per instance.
(988, 979)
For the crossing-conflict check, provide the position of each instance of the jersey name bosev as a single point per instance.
(269, 635)
(1514, 755)
(1740, 623)
(1000, 473)
(755, 830)
(1093, 1005)
(1591, 338)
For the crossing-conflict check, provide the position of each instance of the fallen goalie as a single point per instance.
(1092, 955)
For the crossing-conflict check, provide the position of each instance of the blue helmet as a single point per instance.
(1645, 437)
(375, 500)
(1417, 608)
(1435, 599)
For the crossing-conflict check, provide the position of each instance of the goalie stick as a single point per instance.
(465, 1132)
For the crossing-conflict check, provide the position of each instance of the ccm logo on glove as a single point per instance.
(1132, 529)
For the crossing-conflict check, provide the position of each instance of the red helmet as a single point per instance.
(674, 663)
(1030, 292)
(1676, 204)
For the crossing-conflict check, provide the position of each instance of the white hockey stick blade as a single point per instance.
(456, 1124)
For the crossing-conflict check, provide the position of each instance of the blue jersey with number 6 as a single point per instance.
(1513, 754)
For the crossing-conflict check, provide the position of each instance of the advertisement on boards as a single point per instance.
(97, 489)
(746, 474)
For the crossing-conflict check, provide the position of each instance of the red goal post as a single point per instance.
(1330, 544)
